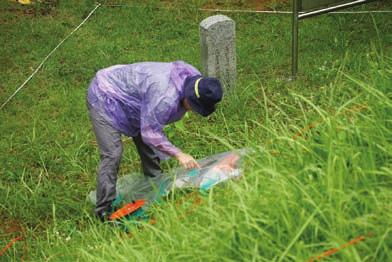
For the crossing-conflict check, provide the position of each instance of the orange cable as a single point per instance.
(13, 241)
(337, 249)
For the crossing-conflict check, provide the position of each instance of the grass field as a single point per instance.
(320, 174)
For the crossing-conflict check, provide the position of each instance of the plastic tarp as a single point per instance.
(214, 170)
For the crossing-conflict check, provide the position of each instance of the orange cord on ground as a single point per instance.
(337, 249)
(197, 201)
(306, 128)
(13, 241)
(355, 109)
(15, 228)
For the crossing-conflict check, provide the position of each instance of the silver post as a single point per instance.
(294, 52)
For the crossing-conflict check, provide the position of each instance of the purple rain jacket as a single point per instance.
(142, 98)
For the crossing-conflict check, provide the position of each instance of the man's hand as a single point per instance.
(187, 161)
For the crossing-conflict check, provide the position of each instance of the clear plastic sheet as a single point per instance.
(137, 186)
(214, 170)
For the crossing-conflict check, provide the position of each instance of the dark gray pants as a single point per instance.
(110, 149)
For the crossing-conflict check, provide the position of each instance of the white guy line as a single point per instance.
(289, 12)
(47, 57)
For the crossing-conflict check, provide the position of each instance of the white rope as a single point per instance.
(289, 12)
(249, 11)
(47, 57)
(362, 12)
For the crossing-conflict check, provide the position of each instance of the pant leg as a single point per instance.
(110, 149)
(150, 161)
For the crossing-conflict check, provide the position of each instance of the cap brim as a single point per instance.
(199, 108)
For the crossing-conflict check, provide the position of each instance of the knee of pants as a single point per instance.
(113, 155)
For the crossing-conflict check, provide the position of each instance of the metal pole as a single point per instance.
(333, 8)
(294, 52)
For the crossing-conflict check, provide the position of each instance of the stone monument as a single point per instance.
(217, 40)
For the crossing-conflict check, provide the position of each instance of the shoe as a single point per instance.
(104, 216)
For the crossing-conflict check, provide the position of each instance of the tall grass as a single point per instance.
(300, 195)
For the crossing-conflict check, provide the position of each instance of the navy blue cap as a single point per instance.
(203, 93)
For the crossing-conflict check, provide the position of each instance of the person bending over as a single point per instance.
(138, 100)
